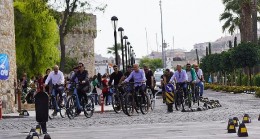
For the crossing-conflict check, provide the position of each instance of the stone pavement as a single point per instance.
(209, 124)
(32, 113)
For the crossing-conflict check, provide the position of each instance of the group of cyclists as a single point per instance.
(141, 78)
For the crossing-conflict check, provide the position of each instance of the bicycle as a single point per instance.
(189, 97)
(178, 97)
(196, 93)
(60, 103)
(151, 97)
(135, 100)
(118, 98)
(74, 105)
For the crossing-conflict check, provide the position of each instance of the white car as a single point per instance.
(157, 76)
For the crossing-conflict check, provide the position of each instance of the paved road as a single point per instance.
(157, 124)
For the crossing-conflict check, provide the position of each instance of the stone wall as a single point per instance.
(80, 43)
(7, 46)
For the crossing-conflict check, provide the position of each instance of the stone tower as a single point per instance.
(7, 48)
(80, 43)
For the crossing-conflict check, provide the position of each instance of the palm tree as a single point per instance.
(111, 50)
(237, 14)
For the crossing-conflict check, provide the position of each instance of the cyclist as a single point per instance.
(139, 78)
(83, 81)
(180, 77)
(191, 77)
(57, 78)
(199, 79)
(150, 79)
(115, 76)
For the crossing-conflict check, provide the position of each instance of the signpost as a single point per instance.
(4, 67)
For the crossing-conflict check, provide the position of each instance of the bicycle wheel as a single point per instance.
(51, 109)
(177, 101)
(144, 104)
(129, 104)
(116, 104)
(62, 106)
(152, 100)
(197, 96)
(71, 108)
(88, 106)
(187, 102)
(122, 99)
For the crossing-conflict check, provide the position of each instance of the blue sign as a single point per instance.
(4, 67)
(169, 87)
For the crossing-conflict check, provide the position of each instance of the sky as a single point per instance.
(187, 22)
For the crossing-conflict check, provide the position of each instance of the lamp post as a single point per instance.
(125, 38)
(121, 30)
(132, 58)
(128, 52)
(114, 20)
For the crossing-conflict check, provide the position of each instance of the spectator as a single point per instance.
(105, 88)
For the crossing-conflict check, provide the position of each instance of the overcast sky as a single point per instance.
(189, 21)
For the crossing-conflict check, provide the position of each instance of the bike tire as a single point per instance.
(63, 107)
(177, 102)
(88, 106)
(70, 108)
(129, 104)
(116, 103)
(51, 109)
(144, 104)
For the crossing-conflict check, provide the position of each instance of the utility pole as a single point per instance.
(163, 57)
(146, 41)
(157, 45)
(254, 18)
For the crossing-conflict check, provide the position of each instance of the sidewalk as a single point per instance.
(108, 108)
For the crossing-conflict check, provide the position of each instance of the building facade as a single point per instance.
(7, 47)
(80, 42)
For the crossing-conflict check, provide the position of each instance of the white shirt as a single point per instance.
(199, 74)
(55, 78)
(189, 76)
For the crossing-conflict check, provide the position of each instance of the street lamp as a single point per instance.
(125, 38)
(121, 30)
(132, 58)
(128, 52)
(130, 55)
(114, 20)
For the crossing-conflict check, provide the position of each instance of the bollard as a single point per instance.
(246, 119)
(231, 127)
(19, 100)
(242, 130)
(102, 102)
(38, 129)
(1, 103)
(47, 136)
(236, 121)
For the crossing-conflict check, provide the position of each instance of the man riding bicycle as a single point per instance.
(83, 83)
(115, 76)
(150, 79)
(139, 78)
(57, 78)
(191, 77)
(180, 77)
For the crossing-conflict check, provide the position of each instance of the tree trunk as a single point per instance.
(246, 23)
(62, 49)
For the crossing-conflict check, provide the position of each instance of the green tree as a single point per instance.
(73, 13)
(197, 55)
(111, 50)
(36, 37)
(70, 64)
(238, 14)
(153, 64)
(245, 55)
(209, 48)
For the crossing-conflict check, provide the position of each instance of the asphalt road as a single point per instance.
(207, 124)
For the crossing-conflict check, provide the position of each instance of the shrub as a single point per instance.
(257, 80)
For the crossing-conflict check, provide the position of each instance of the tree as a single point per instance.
(70, 64)
(238, 14)
(207, 51)
(73, 13)
(245, 55)
(153, 64)
(111, 50)
(36, 37)
(197, 55)
(235, 42)
(230, 44)
(209, 48)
